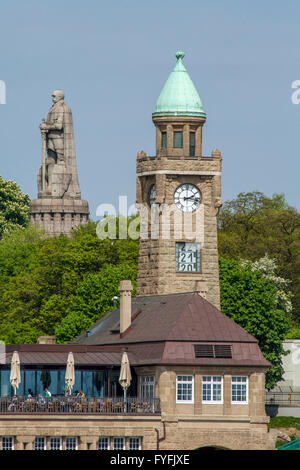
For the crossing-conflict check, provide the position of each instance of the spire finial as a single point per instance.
(179, 55)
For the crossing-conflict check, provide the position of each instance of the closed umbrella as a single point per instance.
(15, 372)
(46, 378)
(70, 372)
(125, 375)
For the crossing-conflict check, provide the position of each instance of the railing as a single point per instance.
(283, 398)
(147, 157)
(64, 405)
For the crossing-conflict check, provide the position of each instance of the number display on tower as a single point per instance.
(188, 257)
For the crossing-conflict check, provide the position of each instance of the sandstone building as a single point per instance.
(197, 377)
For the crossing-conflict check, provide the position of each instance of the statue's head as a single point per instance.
(57, 95)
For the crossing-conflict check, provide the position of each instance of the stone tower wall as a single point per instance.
(157, 259)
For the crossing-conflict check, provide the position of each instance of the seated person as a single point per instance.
(41, 399)
(47, 393)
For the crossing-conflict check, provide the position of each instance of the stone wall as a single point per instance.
(59, 216)
(188, 433)
(157, 261)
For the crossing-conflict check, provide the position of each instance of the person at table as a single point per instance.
(40, 400)
(13, 404)
(29, 396)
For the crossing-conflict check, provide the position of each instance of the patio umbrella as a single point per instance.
(125, 375)
(45, 378)
(15, 372)
(70, 372)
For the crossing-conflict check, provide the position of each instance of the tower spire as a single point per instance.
(179, 96)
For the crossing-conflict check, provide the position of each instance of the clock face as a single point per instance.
(187, 197)
(152, 195)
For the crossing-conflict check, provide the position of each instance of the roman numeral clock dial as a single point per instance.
(187, 197)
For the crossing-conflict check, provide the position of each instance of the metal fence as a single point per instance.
(64, 405)
(283, 398)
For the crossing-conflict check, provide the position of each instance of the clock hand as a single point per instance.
(191, 197)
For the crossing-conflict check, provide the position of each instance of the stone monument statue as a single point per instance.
(59, 207)
(58, 174)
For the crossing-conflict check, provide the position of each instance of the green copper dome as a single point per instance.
(179, 96)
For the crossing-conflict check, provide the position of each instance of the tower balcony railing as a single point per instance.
(67, 405)
(176, 157)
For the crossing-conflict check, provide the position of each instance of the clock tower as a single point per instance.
(178, 198)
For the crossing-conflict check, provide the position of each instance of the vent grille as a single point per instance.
(213, 350)
(223, 350)
(204, 350)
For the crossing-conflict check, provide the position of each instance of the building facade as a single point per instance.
(198, 379)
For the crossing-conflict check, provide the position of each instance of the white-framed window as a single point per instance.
(40, 443)
(184, 389)
(239, 390)
(7, 443)
(212, 389)
(135, 443)
(147, 386)
(71, 443)
(103, 443)
(55, 443)
(119, 443)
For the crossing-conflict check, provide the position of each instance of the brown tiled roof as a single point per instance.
(242, 354)
(173, 317)
(57, 354)
(52, 358)
(165, 328)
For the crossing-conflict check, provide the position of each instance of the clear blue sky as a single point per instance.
(112, 59)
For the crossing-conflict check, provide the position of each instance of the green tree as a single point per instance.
(14, 207)
(253, 225)
(52, 312)
(18, 253)
(268, 267)
(40, 276)
(250, 299)
(93, 299)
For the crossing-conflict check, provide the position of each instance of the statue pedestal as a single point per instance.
(57, 216)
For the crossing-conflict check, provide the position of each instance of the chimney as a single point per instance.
(46, 340)
(125, 289)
